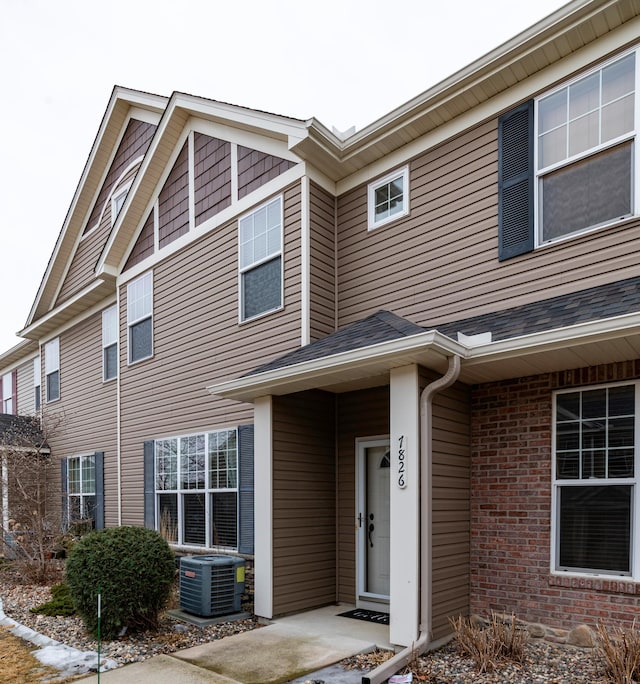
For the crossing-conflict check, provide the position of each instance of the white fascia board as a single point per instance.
(341, 361)
(581, 333)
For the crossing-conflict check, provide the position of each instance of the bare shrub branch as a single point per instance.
(619, 653)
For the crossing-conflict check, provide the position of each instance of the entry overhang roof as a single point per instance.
(591, 343)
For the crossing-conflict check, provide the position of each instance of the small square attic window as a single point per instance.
(388, 198)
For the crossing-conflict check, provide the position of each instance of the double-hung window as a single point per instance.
(36, 382)
(595, 481)
(110, 343)
(52, 368)
(260, 260)
(585, 151)
(140, 317)
(388, 198)
(196, 483)
(81, 488)
(7, 393)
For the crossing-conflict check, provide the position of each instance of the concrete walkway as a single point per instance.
(290, 649)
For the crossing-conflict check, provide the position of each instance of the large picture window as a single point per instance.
(595, 477)
(585, 134)
(196, 488)
(260, 260)
(140, 317)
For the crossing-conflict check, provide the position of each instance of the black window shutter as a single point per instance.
(245, 489)
(99, 465)
(64, 488)
(149, 486)
(515, 182)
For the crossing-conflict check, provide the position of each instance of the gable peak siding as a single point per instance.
(145, 244)
(173, 201)
(212, 176)
(135, 142)
(257, 168)
(89, 249)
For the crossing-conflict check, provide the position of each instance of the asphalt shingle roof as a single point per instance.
(594, 303)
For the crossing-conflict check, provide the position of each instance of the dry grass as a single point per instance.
(17, 665)
(490, 644)
(619, 653)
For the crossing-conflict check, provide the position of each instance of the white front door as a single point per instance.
(373, 520)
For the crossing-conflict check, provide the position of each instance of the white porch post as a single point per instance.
(263, 505)
(405, 506)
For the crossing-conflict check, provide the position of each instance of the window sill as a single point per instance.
(614, 223)
(605, 584)
(257, 317)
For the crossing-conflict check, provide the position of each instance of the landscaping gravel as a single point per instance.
(545, 663)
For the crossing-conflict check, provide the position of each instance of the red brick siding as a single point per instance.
(511, 507)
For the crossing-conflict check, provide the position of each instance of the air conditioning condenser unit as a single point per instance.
(211, 585)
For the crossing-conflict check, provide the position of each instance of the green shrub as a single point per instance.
(61, 602)
(134, 568)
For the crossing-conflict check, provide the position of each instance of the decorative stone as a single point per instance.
(581, 636)
(536, 630)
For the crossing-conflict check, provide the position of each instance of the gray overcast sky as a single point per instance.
(346, 62)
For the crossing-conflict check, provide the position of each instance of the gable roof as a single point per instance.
(121, 102)
(382, 326)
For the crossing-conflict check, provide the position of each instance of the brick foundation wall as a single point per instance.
(511, 507)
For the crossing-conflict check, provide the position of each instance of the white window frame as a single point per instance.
(37, 383)
(83, 494)
(207, 490)
(631, 136)
(271, 255)
(389, 178)
(52, 366)
(118, 199)
(139, 309)
(633, 482)
(109, 339)
(7, 393)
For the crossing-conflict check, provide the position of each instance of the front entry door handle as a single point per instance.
(371, 528)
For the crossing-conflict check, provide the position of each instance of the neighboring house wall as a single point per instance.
(196, 337)
(511, 507)
(26, 396)
(304, 484)
(360, 414)
(86, 410)
(440, 263)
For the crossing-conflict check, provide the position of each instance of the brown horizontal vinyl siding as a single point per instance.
(87, 409)
(451, 522)
(173, 201)
(360, 414)
(440, 263)
(144, 246)
(257, 168)
(197, 341)
(304, 523)
(212, 176)
(323, 262)
(135, 142)
(88, 251)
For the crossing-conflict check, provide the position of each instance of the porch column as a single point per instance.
(405, 506)
(263, 505)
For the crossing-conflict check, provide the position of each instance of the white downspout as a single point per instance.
(391, 666)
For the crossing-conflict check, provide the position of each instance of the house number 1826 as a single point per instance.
(402, 452)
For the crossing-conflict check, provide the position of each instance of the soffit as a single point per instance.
(18, 353)
(568, 30)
